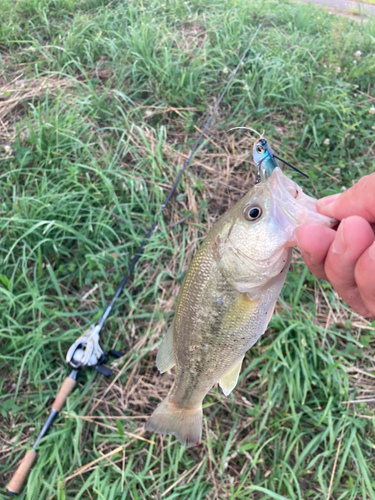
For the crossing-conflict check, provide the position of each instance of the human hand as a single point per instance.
(346, 256)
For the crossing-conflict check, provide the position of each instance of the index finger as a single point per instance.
(357, 200)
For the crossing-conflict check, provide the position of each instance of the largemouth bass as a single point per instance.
(228, 295)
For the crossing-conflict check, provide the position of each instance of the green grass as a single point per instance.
(86, 163)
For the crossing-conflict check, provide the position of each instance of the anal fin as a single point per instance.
(165, 357)
(269, 315)
(229, 380)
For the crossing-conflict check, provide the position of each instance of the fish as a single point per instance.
(228, 294)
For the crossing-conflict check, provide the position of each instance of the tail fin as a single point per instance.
(184, 423)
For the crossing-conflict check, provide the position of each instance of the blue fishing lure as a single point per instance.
(266, 161)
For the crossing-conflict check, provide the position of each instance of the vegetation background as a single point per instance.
(100, 104)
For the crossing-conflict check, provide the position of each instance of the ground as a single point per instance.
(100, 104)
(352, 8)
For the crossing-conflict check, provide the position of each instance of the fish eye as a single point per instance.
(252, 212)
(260, 149)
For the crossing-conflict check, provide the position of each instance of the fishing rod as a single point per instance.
(86, 350)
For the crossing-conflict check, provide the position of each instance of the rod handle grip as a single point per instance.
(66, 388)
(20, 476)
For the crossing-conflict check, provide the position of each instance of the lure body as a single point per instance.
(264, 158)
(228, 296)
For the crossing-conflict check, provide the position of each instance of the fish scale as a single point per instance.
(228, 295)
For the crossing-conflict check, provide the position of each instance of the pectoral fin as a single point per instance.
(229, 380)
(165, 357)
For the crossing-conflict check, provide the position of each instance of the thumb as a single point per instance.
(357, 200)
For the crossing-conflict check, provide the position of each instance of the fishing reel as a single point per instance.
(86, 351)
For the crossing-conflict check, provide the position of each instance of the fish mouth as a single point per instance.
(292, 208)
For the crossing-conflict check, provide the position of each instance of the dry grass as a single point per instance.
(15, 93)
(79, 205)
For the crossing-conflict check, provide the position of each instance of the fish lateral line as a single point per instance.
(248, 269)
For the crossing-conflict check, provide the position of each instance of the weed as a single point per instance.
(111, 97)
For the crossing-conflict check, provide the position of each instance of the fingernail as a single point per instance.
(339, 245)
(371, 252)
(327, 200)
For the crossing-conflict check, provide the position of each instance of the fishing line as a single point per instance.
(182, 171)
(86, 350)
(248, 128)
